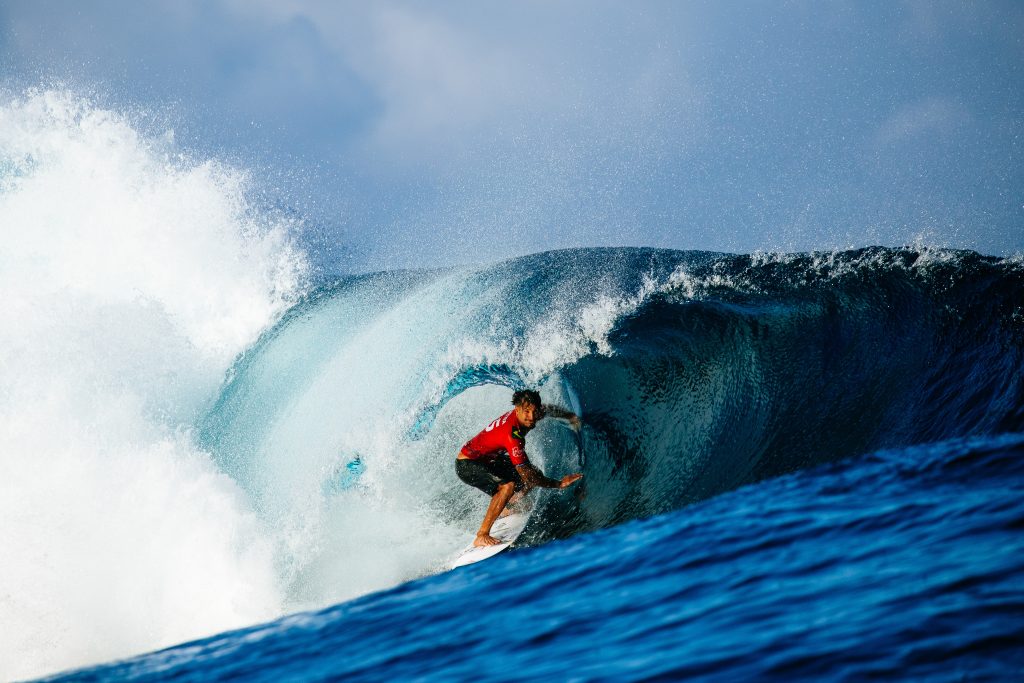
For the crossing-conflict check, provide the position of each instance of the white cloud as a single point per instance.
(458, 80)
(435, 79)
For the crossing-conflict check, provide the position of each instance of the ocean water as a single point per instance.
(900, 565)
(797, 466)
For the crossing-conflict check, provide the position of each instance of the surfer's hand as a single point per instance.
(482, 540)
(569, 479)
(575, 423)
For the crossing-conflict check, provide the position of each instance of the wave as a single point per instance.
(132, 277)
(750, 367)
(696, 373)
(193, 440)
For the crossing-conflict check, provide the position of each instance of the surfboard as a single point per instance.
(506, 530)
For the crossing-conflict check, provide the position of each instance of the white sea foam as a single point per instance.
(572, 327)
(131, 276)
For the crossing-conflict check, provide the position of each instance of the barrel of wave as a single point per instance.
(405, 513)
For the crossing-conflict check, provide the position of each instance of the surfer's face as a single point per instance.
(528, 414)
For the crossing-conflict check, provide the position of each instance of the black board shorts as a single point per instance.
(488, 475)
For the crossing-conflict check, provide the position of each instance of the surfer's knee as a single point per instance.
(507, 487)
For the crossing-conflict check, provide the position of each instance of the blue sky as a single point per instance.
(418, 134)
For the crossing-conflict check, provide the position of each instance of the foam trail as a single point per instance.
(131, 277)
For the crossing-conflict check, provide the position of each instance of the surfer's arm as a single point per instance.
(533, 477)
(560, 413)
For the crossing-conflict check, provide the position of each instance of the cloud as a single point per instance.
(578, 122)
(457, 80)
(435, 80)
(228, 71)
(933, 116)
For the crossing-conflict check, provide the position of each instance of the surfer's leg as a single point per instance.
(520, 493)
(507, 473)
(498, 502)
(510, 506)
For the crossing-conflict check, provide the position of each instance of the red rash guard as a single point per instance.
(504, 435)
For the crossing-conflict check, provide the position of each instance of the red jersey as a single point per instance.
(504, 435)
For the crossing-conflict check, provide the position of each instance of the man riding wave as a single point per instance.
(495, 461)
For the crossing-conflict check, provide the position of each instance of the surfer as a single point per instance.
(495, 461)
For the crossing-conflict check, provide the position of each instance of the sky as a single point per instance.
(410, 134)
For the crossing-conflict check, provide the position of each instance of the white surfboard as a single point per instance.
(506, 530)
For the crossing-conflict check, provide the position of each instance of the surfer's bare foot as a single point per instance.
(483, 540)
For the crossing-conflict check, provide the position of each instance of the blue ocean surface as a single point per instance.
(902, 564)
(797, 467)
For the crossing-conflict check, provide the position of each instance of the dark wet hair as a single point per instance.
(524, 396)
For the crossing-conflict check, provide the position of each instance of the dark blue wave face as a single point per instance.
(768, 367)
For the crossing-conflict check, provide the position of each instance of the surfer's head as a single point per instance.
(528, 407)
